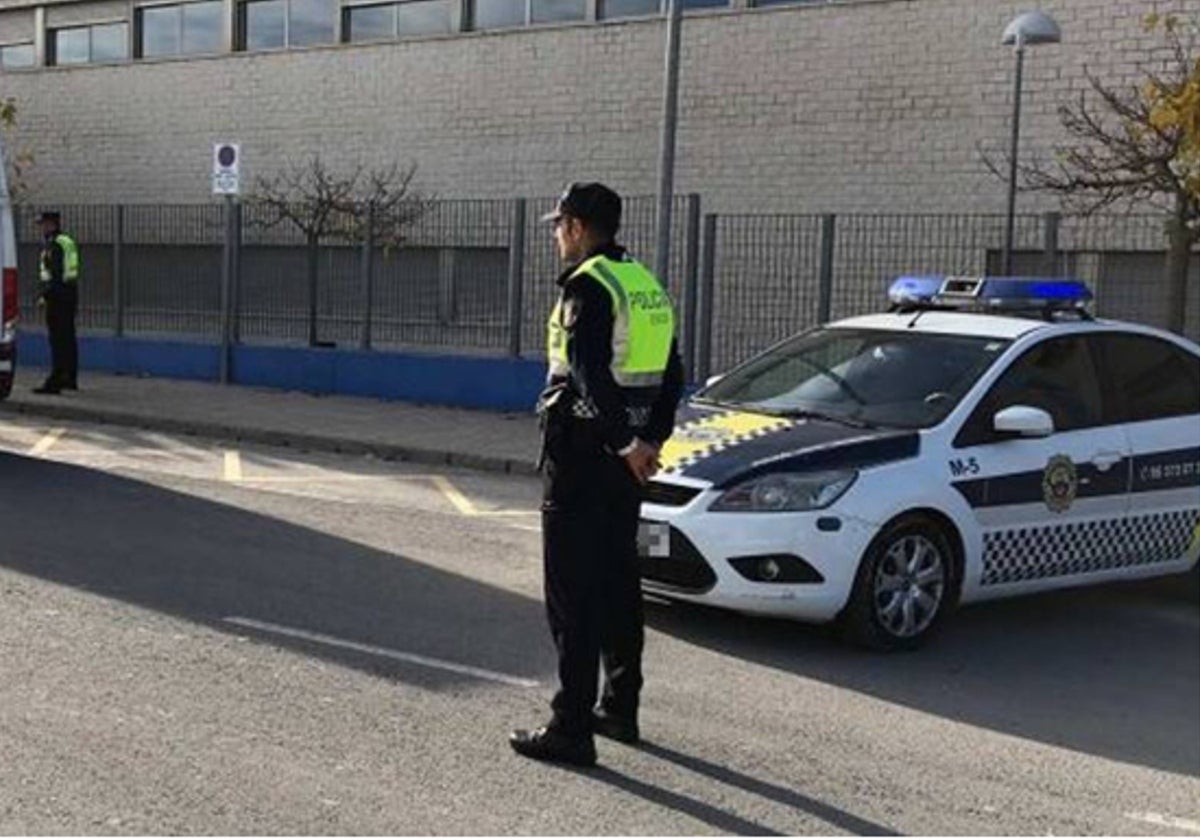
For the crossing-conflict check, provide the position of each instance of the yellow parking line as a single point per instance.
(466, 507)
(233, 465)
(461, 502)
(330, 479)
(47, 442)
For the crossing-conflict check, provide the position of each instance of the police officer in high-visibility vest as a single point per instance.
(615, 381)
(58, 291)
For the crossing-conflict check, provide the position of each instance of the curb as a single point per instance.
(269, 437)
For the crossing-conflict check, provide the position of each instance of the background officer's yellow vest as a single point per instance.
(70, 260)
(643, 323)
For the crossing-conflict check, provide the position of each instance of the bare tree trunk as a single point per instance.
(314, 255)
(1179, 247)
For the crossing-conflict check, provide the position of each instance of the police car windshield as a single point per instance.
(873, 377)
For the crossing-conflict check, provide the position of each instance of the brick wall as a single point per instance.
(880, 105)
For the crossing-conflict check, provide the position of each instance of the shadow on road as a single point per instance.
(723, 821)
(204, 561)
(1112, 671)
(775, 793)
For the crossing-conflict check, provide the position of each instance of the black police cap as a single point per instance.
(592, 203)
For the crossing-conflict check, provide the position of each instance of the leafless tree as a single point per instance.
(377, 205)
(1135, 146)
(18, 162)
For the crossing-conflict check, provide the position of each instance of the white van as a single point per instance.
(8, 289)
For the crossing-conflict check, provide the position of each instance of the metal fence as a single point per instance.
(478, 276)
(764, 278)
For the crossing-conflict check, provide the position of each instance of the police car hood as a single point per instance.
(725, 446)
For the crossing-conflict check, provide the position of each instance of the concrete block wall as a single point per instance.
(867, 106)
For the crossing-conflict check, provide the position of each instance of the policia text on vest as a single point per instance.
(58, 291)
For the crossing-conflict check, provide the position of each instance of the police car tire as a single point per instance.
(1191, 585)
(859, 622)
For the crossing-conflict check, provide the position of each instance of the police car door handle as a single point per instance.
(1104, 461)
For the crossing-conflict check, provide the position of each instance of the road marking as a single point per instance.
(388, 653)
(533, 529)
(233, 465)
(330, 479)
(466, 507)
(1165, 821)
(461, 502)
(46, 443)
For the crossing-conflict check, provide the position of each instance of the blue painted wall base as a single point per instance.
(496, 384)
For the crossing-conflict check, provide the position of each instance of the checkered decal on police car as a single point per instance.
(682, 463)
(1073, 548)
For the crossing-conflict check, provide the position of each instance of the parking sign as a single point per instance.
(226, 177)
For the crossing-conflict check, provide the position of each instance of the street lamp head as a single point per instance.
(1031, 29)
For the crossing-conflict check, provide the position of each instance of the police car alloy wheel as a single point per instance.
(904, 587)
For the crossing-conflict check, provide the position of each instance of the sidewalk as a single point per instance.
(473, 439)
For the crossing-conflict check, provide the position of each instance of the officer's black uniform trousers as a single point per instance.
(61, 306)
(590, 508)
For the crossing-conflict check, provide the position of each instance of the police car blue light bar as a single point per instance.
(953, 292)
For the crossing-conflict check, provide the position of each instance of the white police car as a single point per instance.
(984, 438)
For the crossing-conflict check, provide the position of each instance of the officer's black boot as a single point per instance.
(548, 744)
(50, 386)
(608, 725)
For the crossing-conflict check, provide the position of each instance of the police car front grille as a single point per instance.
(685, 569)
(669, 495)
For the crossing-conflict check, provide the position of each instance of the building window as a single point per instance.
(499, 14)
(16, 56)
(503, 14)
(98, 43)
(185, 29)
(554, 11)
(276, 24)
(397, 20)
(611, 9)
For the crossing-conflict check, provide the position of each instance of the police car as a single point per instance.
(985, 438)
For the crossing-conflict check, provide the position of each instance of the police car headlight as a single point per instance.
(786, 492)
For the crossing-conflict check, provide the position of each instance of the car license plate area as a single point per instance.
(654, 539)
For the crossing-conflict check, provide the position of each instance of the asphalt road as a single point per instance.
(200, 638)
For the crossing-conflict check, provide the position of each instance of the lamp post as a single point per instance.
(666, 155)
(1027, 30)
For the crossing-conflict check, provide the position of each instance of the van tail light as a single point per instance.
(9, 320)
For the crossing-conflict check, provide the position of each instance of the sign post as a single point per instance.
(227, 182)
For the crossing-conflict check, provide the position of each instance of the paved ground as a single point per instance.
(476, 439)
(205, 637)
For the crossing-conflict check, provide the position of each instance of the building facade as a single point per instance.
(841, 106)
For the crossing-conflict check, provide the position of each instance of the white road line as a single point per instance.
(233, 465)
(1165, 821)
(388, 653)
(46, 443)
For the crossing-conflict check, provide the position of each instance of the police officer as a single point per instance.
(615, 381)
(58, 291)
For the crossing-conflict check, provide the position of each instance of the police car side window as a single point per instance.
(1057, 376)
(1151, 378)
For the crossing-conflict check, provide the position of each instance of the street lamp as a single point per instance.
(666, 152)
(1027, 30)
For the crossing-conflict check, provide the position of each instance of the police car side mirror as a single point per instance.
(1023, 421)
(713, 380)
